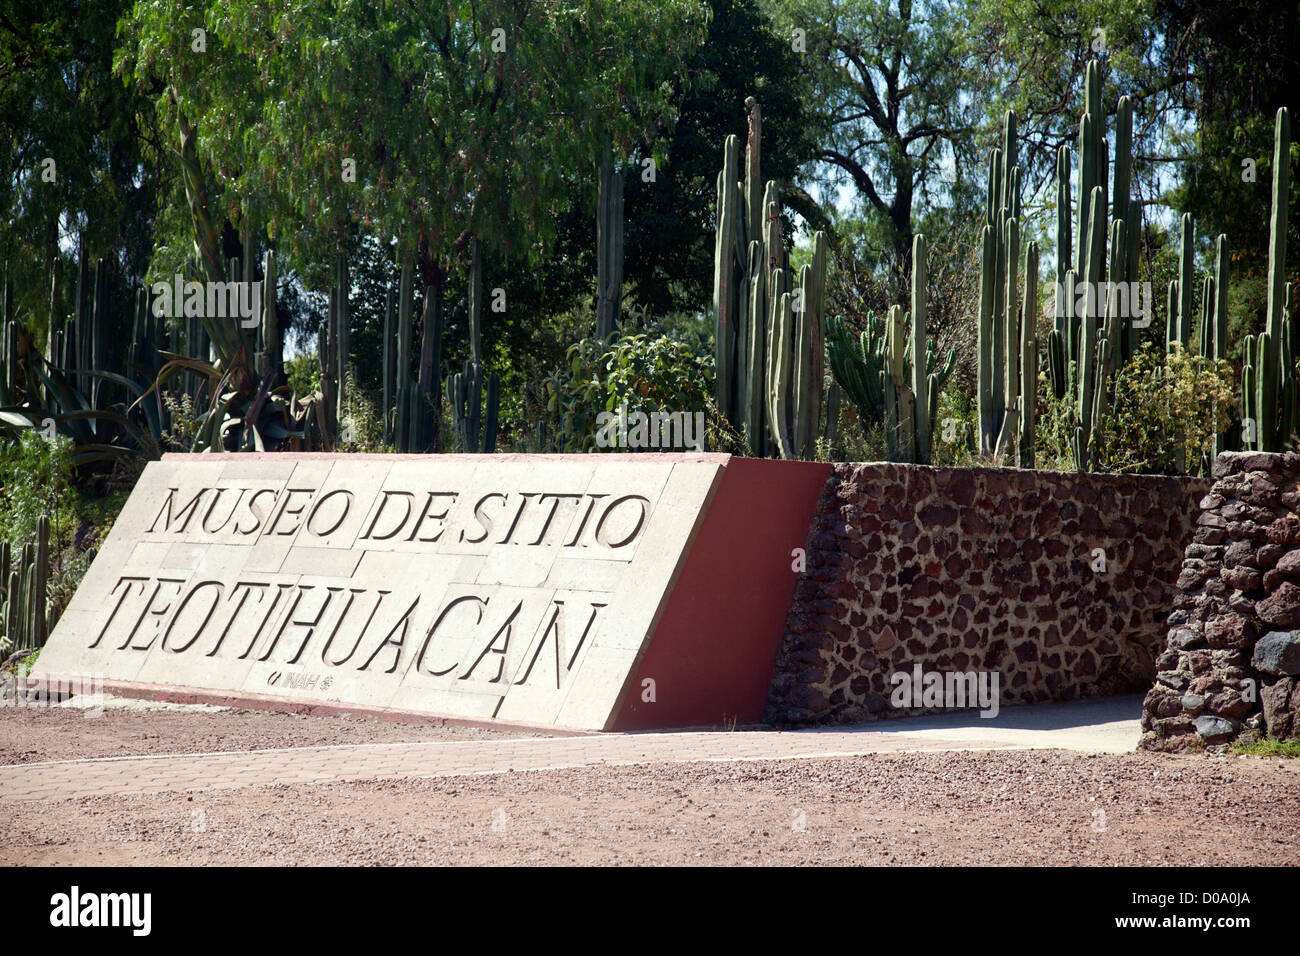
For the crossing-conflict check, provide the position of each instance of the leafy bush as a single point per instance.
(35, 480)
(656, 373)
(647, 371)
(1164, 401)
(303, 373)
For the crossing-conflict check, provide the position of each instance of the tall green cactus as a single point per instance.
(856, 364)
(925, 413)
(995, 363)
(388, 357)
(879, 373)
(1007, 339)
(403, 386)
(609, 249)
(465, 398)
(768, 358)
(474, 431)
(1268, 374)
(1094, 332)
(1029, 360)
(26, 616)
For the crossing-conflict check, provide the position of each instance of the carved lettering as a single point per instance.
(383, 503)
(180, 610)
(184, 515)
(554, 626)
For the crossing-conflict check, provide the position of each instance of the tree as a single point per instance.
(671, 215)
(428, 126)
(78, 163)
(1245, 57)
(890, 84)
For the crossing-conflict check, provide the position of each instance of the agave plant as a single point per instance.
(41, 395)
(245, 405)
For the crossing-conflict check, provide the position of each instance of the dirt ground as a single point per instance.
(993, 807)
(132, 729)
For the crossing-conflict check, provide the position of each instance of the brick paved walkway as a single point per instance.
(1098, 726)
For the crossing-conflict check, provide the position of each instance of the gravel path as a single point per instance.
(996, 807)
(645, 799)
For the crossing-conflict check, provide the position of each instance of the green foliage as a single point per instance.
(1163, 400)
(655, 372)
(669, 231)
(35, 480)
(59, 101)
(1245, 56)
(185, 421)
(303, 373)
(47, 527)
(646, 371)
(1054, 430)
(954, 431)
(515, 95)
(361, 429)
(1268, 747)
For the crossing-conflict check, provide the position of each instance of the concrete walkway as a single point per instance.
(1108, 725)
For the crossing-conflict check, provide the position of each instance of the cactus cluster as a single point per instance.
(1268, 377)
(769, 323)
(879, 373)
(24, 577)
(1007, 338)
(1095, 329)
(85, 401)
(412, 405)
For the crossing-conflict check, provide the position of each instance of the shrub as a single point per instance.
(647, 371)
(1165, 401)
(35, 480)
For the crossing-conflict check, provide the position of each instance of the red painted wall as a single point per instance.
(712, 653)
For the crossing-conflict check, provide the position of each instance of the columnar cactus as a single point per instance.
(403, 386)
(1029, 359)
(389, 368)
(1268, 375)
(1007, 340)
(879, 372)
(768, 364)
(856, 364)
(342, 336)
(1001, 211)
(1093, 334)
(465, 398)
(1091, 397)
(609, 249)
(474, 431)
(26, 610)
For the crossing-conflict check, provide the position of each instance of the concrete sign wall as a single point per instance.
(523, 589)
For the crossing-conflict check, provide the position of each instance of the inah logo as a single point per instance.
(952, 689)
(102, 909)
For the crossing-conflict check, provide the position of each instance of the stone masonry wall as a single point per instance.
(1231, 667)
(980, 569)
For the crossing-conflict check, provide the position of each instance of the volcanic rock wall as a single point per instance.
(1231, 665)
(1059, 583)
